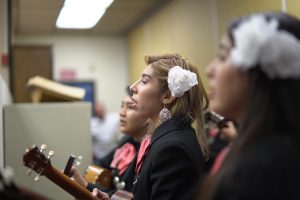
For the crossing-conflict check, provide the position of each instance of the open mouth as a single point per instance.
(211, 93)
(122, 122)
(134, 102)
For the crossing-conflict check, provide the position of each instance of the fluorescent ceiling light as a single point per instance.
(81, 14)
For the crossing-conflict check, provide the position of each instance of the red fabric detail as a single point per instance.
(142, 153)
(123, 157)
(219, 160)
(213, 132)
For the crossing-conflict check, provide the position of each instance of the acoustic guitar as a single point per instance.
(38, 162)
(94, 174)
(98, 175)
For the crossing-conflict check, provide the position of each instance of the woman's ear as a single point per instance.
(167, 97)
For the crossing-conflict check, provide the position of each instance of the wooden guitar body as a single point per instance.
(98, 175)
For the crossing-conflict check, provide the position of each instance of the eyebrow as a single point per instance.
(223, 46)
(146, 75)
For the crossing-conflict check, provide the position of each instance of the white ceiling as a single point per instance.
(39, 16)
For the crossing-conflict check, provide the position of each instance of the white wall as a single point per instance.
(4, 37)
(100, 58)
(5, 97)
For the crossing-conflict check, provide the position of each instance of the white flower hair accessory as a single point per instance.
(180, 81)
(259, 42)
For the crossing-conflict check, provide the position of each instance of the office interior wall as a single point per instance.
(183, 26)
(193, 28)
(229, 9)
(4, 38)
(5, 96)
(99, 58)
(293, 7)
(189, 27)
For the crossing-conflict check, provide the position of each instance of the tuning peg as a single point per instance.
(50, 154)
(39, 171)
(37, 177)
(31, 166)
(29, 172)
(78, 160)
(43, 147)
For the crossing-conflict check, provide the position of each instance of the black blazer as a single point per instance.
(266, 169)
(174, 164)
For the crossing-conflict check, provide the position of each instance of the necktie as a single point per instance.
(142, 153)
(123, 157)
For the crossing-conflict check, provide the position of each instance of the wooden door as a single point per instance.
(29, 61)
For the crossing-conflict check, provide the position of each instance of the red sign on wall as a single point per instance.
(4, 59)
(67, 75)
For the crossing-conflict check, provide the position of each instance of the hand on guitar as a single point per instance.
(97, 194)
(76, 176)
(228, 132)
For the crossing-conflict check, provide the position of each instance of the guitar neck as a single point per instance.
(70, 186)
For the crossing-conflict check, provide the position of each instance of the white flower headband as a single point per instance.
(258, 41)
(180, 81)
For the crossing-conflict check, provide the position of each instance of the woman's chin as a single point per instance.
(215, 108)
(212, 105)
(123, 130)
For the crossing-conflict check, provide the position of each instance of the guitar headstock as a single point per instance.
(35, 159)
(38, 162)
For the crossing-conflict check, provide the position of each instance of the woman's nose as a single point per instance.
(133, 87)
(122, 112)
(210, 68)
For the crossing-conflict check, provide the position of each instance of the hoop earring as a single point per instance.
(164, 115)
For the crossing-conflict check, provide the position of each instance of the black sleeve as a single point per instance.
(173, 173)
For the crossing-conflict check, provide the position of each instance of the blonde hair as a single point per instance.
(193, 102)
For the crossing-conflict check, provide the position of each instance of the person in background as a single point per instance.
(227, 134)
(122, 159)
(104, 130)
(170, 161)
(221, 133)
(256, 81)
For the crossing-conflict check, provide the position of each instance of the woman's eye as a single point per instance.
(129, 106)
(221, 57)
(144, 81)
